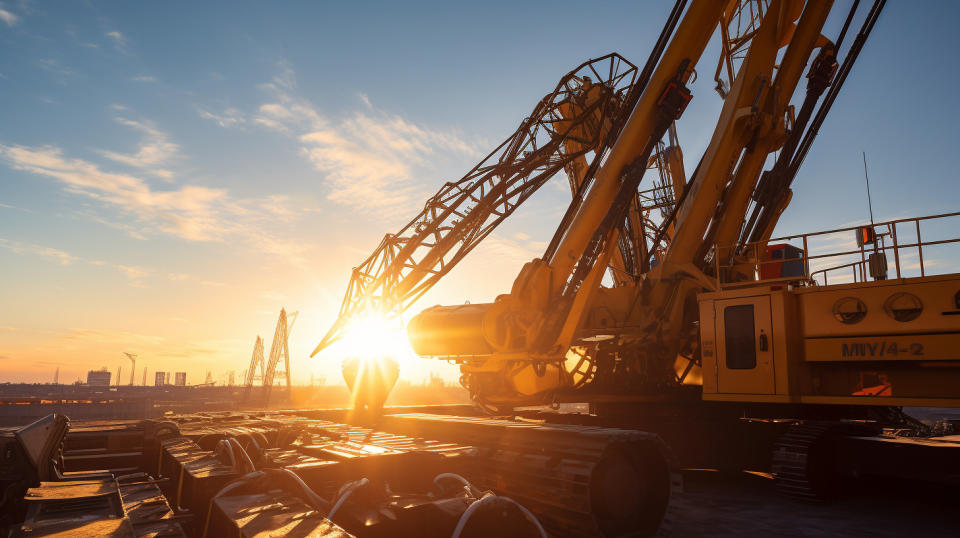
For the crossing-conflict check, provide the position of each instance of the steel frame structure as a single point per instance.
(462, 213)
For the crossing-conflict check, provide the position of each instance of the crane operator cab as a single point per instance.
(806, 339)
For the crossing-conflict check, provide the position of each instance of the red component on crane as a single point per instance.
(791, 264)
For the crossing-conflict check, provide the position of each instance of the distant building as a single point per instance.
(159, 379)
(181, 379)
(98, 378)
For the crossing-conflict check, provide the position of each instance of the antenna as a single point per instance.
(866, 176)
(877, 262)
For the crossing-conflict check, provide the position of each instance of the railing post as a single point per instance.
(863, 260)
(806, 261)
(896, 249)
(919, 246)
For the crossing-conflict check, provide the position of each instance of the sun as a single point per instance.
(374, 336)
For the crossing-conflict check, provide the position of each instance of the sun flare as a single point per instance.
(376, 336)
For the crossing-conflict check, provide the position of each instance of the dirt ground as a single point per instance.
(713, 504)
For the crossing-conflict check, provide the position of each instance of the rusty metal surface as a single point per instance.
(185, 479)
(80, 489)
(553, 469)
(265, 514)
(118, 528)
(130, 505)
(146, 507)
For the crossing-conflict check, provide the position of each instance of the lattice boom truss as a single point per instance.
(453, 221)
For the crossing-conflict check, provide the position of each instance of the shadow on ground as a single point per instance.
(714, 504)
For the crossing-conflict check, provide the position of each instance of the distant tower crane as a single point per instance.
(267, 369)
(256, 363)
(281, 341)
(133, 367)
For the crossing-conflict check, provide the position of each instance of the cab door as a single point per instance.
(744, 346)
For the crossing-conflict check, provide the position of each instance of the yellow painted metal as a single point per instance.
(758, 379)
(449, 330)
(771, 129)
(824, 354)
(800, 332)
(677, 278)
(691, 38)
(689, 41)
(913, 347)
(935, 292)
(739, 122)
(577, 168)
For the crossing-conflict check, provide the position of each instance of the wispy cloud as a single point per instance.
(191, 212)
(60, 73)
(59, 256)
(144, 78)
(155, 149)
(286, 78)
(230, 117)
(8, 206)
(129, 229)
(278, 205)
(368, 158)
(120, 41)
(514, 251)
(289, 115)
(8, 17)
(99, 335)
(132, 272)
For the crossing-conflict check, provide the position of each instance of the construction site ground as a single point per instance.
(706, 502)
(718, 504)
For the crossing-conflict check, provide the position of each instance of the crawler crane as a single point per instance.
(706, 323)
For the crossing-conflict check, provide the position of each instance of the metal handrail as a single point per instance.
(759, 258)
(824, 271)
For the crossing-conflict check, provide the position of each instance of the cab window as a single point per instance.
(741, 343)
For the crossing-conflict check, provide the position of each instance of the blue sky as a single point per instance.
(173, 173)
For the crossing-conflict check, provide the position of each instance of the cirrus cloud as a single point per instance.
(8, 17)
(370, 159)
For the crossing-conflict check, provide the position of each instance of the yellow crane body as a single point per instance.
(663, 325)
(704, 316)
(890, 342)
